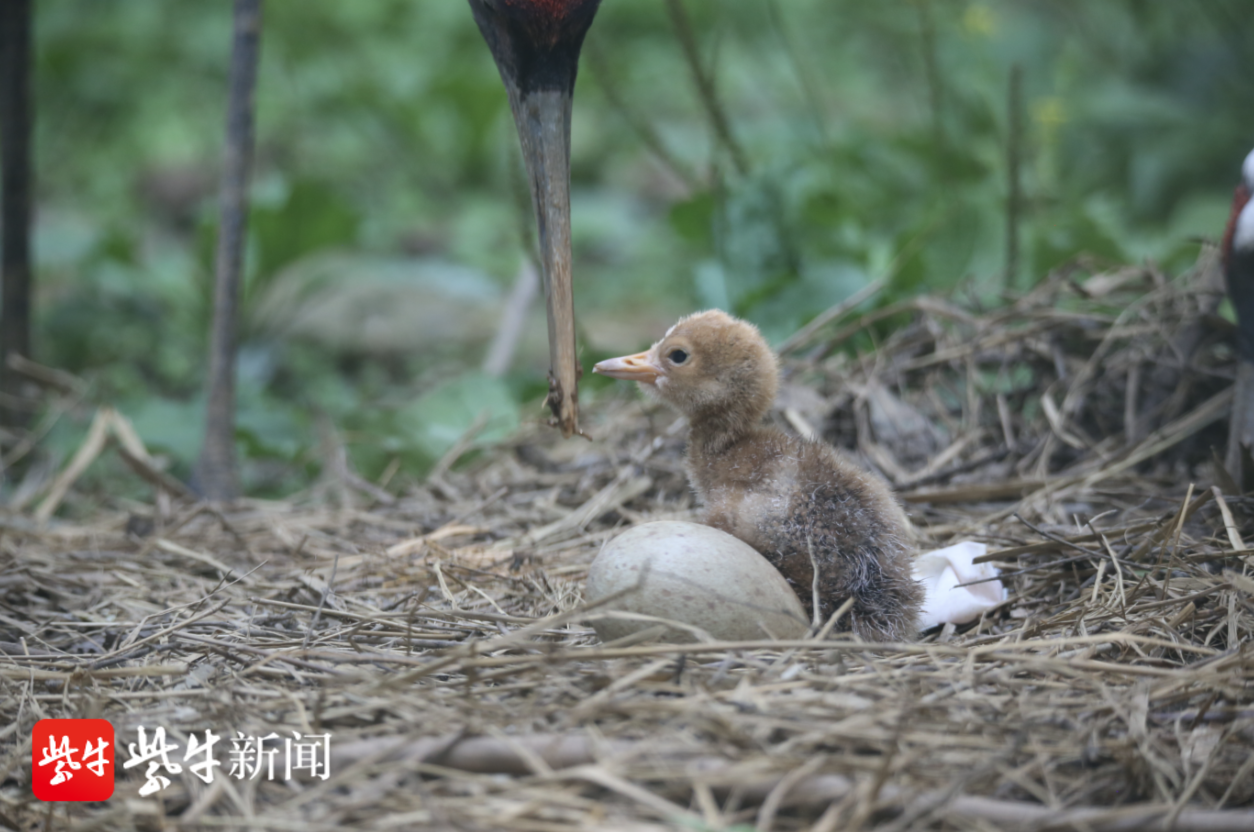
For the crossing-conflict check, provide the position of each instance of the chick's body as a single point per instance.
(800, 503)
(792, 499)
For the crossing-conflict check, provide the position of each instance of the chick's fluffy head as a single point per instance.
(713, 362)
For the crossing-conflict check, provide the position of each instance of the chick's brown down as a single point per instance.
(800, 503)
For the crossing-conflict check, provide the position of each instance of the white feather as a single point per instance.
(941, 572)
(1243, 233)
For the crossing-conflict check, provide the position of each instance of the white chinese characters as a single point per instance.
(251, 758)
(61, 754)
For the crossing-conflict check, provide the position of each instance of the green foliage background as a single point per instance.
(387, 185)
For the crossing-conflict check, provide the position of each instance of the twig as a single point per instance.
(93, 444)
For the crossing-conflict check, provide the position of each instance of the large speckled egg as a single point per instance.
(695, 575)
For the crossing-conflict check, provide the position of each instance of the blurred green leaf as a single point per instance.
(439, 418)
(692, 218)
(311, 218)
(169, 427)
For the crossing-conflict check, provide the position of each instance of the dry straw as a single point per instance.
(440, 636)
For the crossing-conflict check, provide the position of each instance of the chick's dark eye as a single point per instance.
(678, 356)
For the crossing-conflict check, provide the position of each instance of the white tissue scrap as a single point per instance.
(943, 570)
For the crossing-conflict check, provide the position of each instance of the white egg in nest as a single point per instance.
(695, 575)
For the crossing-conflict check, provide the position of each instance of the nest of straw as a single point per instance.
(439, 636)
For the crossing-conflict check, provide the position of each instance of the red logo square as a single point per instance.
(72, 759)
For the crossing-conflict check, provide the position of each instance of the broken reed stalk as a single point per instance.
(216, 470)
(16, 195)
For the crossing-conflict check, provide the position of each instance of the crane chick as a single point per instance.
(800, 503)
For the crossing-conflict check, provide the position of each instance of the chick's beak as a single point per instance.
(639, 367)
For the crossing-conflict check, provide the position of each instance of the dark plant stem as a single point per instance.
(705, 86)
(809, 86)
(16, 118)
(1014, 164)
(216, 471)
(931, 69)
(603, 72)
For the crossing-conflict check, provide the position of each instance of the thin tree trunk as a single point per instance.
(216, 472)
(16, 117)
